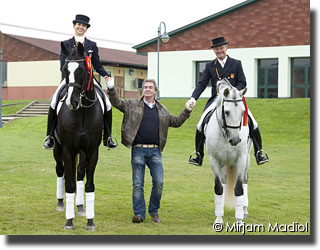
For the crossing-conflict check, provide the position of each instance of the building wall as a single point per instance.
(39, 79)
(178, 68)
(35, 73)
(265, 23)
(17, 51)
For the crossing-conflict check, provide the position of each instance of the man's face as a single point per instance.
(80, 29)
(149, 89)
(221, 51)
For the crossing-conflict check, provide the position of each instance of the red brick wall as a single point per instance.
(261, 24)
(27, 93)
(16, 51)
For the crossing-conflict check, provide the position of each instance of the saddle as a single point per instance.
(62, 94)
(209, 115)
(207, 119)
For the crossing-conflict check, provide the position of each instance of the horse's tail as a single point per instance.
(230, 184)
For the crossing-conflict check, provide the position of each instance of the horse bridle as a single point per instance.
(82, 88)
(224, 124)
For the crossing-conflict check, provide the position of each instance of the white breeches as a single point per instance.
(211, 107)
(53, 100)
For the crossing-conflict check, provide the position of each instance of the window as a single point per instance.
(200, 66)
(268, 78)
(300, 77)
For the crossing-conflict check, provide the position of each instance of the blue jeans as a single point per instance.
(140, 157)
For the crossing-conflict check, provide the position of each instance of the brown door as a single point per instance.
(119, 84)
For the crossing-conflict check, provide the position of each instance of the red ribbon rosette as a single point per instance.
(88, 63)
(89, 67)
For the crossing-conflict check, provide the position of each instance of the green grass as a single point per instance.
(279, 191)
(14, 108)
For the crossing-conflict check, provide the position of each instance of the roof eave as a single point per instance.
(199, 22)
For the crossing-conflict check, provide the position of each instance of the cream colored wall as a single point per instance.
(47, 73)
(130, 80)
(34, 73)
(178, 76)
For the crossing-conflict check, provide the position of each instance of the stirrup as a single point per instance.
(116, 142)
(48, 148)
(191, 159)
(264, 153)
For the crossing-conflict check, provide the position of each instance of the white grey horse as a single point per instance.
(228, 145)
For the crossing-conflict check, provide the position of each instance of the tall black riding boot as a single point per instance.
(107, 139)
(197, 160)
(257, 144)
(51, 124)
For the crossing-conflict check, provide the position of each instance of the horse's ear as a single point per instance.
(226, 92)
(63, 48)
(243, 92)
(80, 49)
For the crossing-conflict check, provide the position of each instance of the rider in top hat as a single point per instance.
(222, 67)
(80, 25)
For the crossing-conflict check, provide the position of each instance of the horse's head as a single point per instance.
(231, 107)
(76, 74)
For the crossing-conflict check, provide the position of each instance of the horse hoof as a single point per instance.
(69, 225)
(60, 208)
(90, 225)
(239, 222)
(218, 220)
(60, 205)
(245, 212)
(81, 211)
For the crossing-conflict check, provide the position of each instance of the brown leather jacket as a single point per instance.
(133, 113)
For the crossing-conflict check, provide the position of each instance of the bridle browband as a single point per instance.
(82, 88)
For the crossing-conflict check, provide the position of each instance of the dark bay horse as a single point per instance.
(79, 131)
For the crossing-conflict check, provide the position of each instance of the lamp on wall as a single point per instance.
(131, 71)
(164, 38)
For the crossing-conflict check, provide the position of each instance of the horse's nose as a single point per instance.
(234, 141)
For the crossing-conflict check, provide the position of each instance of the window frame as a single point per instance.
(306, 85)
(265, 85)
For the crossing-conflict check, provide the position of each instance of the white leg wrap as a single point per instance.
(219, 202)
(245, 195)
(90, 205)
(239, 207)
(80, 193)
(69, 205)
(60, 188)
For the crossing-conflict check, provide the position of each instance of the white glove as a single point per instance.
(110, 83)
(190, 104)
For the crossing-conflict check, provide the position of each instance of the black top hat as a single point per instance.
(82, 19)
(218, 42)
